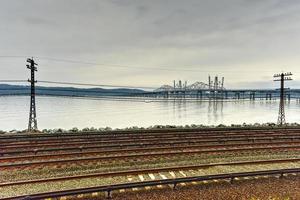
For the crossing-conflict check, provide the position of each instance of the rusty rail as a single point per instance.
(109, 188)
(155, 141)
(143, 156)
(62, 141)
(125, 151)
(154, 132)
(128, 145)
(145, 171)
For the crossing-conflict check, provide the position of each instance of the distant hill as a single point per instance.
(6, 89)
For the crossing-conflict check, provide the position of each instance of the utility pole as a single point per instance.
(32, 125)
(282, 77)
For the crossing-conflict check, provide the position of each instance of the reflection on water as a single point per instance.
(215, 111)
(59, 112)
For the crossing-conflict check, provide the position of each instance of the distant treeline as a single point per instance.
(6, 89)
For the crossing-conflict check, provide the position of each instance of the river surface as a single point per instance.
(66, 113)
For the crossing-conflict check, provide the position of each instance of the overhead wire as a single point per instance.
(79, 84)
(94, 85)
(163, 68)
(15, 81)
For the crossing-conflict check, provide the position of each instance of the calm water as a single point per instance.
(60, 112)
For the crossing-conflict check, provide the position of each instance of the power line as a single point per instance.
(43, 91)
(162, 68)
(15, 81)
(94, 85)
(79, 84)
(67, 95)
(12, 56)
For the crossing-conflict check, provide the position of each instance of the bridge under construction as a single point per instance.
(215, 89)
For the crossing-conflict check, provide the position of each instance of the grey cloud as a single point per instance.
(202, 34)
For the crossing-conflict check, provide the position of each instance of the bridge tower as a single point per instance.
(282, 77)
(32, 125)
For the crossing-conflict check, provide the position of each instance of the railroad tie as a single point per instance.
(164, 177)
(94, 194)
(153, 178)
(142, 179)
(193, 172)
(184, 175)
(172, 174)
(131, 179)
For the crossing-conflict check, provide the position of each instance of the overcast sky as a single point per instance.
(152, 42)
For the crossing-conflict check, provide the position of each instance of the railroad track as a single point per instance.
(172, 182)
(146, 137)
(145, 140)
(78, 136)
(127, 151)
(120, 139)
(143, 156)
(4, 149)
(141, 133)
(44, 153)
(149, 171)
(34, 150)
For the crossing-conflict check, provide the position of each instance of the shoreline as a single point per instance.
(160, 129)
(151, 99)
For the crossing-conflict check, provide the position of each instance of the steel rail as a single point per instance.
(174, 182)
(130, 150)
(103, 158)
(114, 138)
(32, 139)
(130, 145)
(61, 140)
(154, 132)
(146, 171)
(140, 139)
(221, 139)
